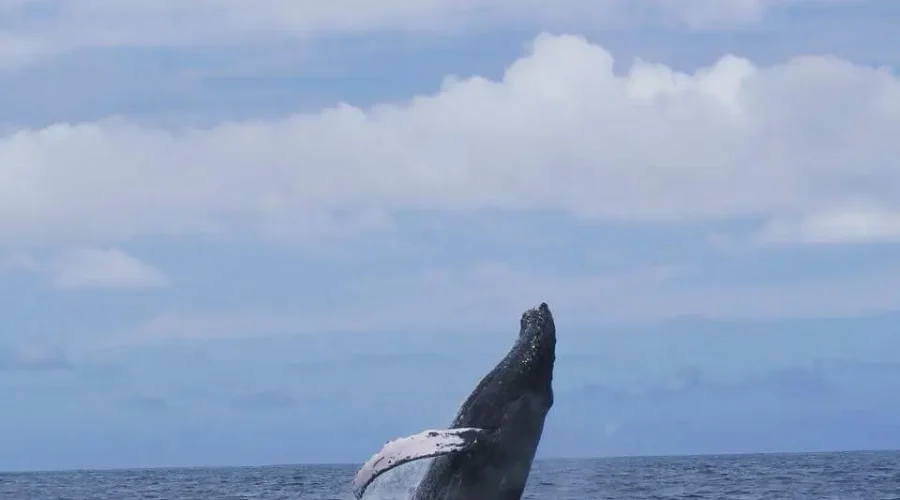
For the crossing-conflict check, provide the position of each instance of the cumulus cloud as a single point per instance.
(46, 28)
(560, 131)
(105, 268)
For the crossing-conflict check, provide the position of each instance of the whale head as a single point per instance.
(532, 357)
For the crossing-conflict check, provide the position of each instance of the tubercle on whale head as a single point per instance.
(538, 317)
(538, 328)
(536, 346)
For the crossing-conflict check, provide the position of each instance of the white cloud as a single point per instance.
(105, 268)
(87, 268)
(848, 224)
(490, 297)
(483, 296)
(55, 26)
(35, 357)
(851, 226)
(487, 295)
(17, 262)
(560, 132)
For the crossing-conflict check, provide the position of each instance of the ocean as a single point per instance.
(818, 476)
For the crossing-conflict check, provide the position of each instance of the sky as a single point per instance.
(267, 232)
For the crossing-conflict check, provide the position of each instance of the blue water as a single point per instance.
(827, 476)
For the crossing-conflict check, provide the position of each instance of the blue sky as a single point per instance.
(236, 233)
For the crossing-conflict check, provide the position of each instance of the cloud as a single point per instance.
(87, 268)
(850, 226)
(35, 358)
(787, 382)
(41, 28)
(105, 268)
(662, 437)
(487, 297)
(559, 132)
(17, 262)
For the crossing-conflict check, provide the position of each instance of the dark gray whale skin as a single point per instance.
(511, 403)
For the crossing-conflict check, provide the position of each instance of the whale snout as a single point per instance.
(535, 349)
(537, 321)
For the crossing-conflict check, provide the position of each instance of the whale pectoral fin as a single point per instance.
(426, 444)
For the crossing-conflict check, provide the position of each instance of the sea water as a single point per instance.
(820, 476)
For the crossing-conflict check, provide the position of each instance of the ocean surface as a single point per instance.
(823, 476)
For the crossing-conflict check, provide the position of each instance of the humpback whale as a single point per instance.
(487, 451)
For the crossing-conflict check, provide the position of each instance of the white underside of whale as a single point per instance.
(426, 444)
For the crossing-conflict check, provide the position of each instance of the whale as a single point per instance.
(487, 451)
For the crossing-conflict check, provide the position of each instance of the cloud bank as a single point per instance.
(807, 139)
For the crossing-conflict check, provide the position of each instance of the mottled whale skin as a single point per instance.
(487, 452)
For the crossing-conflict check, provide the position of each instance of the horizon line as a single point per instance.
(537, 460)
